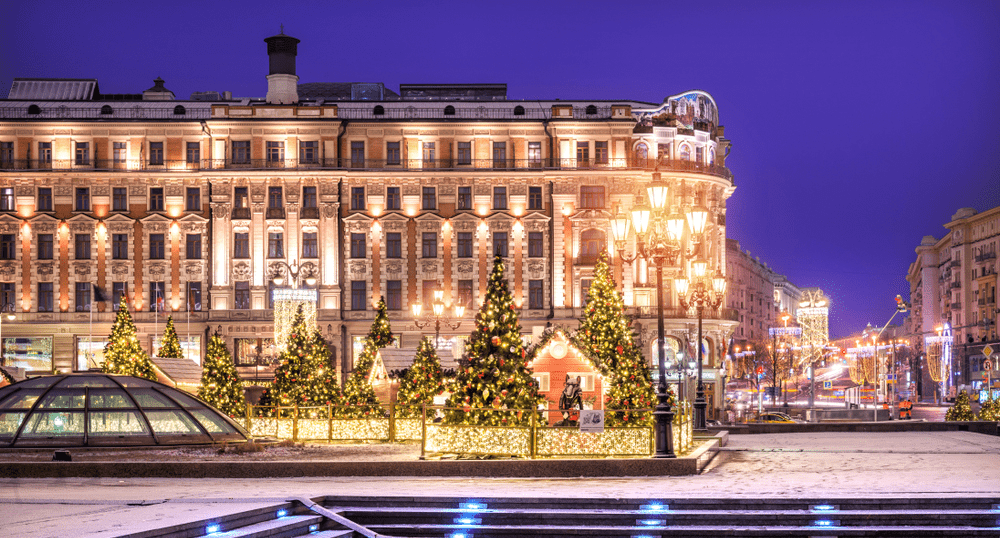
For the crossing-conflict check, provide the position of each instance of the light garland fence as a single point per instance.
(532, 438)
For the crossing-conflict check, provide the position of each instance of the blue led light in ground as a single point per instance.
(314, 528)
(282, 513)
(468, 520)
(472, 506)
(824, 523)
(642, 536)
(651, 522)
(460, 535)
(654, 507)
(212, 529)
(823, 508)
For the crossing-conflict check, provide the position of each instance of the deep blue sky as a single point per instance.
(857, 127)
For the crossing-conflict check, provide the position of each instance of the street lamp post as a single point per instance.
(307, 271)
(10, 317)
(437, 315)
(662, 244)
(701, 297)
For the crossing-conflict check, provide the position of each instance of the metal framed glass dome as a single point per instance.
(106, 410)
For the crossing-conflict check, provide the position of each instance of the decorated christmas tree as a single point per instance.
(422, 382)
(494, 374)
(606, 335)
(990, 410)
(962, 410)
(170, 345)
(359, 397)
(221, 385)
(303, 376)
(381, 331)
(123, 355)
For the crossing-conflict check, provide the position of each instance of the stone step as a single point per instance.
(282, 527)
(680, 531)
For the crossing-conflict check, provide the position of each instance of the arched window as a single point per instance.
(671, 350)
(449, 110)
(378, 110)
(711, 156)
(591, 110)
(179, 110)
(685, 152)
(592, 244)
(106, 109)
(34, 109)
(641, 153)
(519, 110)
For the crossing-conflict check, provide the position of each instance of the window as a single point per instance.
(519, 110)
(193, 153)
(82, 199)
(241, 198)
(393, 245)
(156, 153)
(242, 296)
(310, 245)
(500, 154)
(6, 153)
(429, 287)
(535, 154)
(119, 152)
(592, 196)
(44, 199)
(392, 198)
(663, 150)
(535, 245)
(157, 296)
(465, 153)
(464, 244)
(194, 296)
(465, 198)
(428, 153)
(358, 245)
(394, 294)
(591, 110)
(357, 154)
(118, 290)
(379, 110)
(83, 153)
(193, 199)
(358, 198)
(119, 246)
(534, 198)
(7, 199)
(274, 199)
(275, 152)
(601, 152)
(308, 152)
(536, 294)
(45, 153)
(582, 153)
(685, 152)
(309, 198)
(499, 197)
(699, 153)
(8, 249)
(241, 245)
(82, 297)
(585, 289)
(392, 153)
(430, 244)
(449, 110)
(156, 199)
(465, 292)
(81, 248)
(500, 244)
(641, 153)
(241, 152)
(156, 250)
(119, 199)
(44, 246)
(592, 243)
(429, 198)
(45, 297)
(275, 245)
(193, 246)
(359, 292)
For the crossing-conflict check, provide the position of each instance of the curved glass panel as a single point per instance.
(62, 399)
(131, 382)
(151, 398)
(171, 422)
(183, 399)
(212, 422)
(37, 382)
(109, 398)
(24, 399)
(88, 381)
(117, 423)
(53, 424)
(9, 423)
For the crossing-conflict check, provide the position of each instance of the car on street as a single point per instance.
(775, 417)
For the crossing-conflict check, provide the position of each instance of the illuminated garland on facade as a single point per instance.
(287, 302)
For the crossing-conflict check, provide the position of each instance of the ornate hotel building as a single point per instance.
(189, 208)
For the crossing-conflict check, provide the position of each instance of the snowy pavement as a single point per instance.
(903, 464)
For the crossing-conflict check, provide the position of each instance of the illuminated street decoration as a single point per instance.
(812, 316)
(286, 302)
(939, 355)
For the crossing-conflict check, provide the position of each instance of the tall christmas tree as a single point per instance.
(303, 376)
(170, 345)
(962, 410)
(494, 374)
(990, 410)
(359, 396)
(123, 355)
(381, 331)
(221, 385)
(606, 334)
(422, 382)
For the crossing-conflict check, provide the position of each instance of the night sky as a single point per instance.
(857, 127)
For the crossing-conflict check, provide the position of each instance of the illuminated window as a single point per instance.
(542, 378)
(428, 153)
(685, 152)
(7, 199)
(641, 153)
(275, 152)
(119, 152)
(535, 154)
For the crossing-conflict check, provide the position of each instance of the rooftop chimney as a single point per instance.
(282, 83)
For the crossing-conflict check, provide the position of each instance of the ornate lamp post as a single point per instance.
(287, 301)
(437, 315)
(701, 297)
(663, 245)
(307, 271)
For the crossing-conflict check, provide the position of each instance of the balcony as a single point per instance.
(986, 256)
(727, 314)
(310, 213)
(955, 284)
(381, 165)
(956, 306)
(275, 213)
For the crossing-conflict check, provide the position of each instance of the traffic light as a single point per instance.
(901, 305)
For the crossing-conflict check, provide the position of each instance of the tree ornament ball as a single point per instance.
(495, 340)
(618, 349)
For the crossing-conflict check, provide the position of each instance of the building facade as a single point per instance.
(191, 208)
(757, 294)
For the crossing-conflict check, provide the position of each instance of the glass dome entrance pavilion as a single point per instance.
(105, 410)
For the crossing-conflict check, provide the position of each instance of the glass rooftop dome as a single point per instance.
(105, 410)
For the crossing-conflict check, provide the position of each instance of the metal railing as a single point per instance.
(728, 314)
(145, 165)
(103, 111)
(465, 112)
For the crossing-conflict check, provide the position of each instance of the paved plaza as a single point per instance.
(894, 464)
